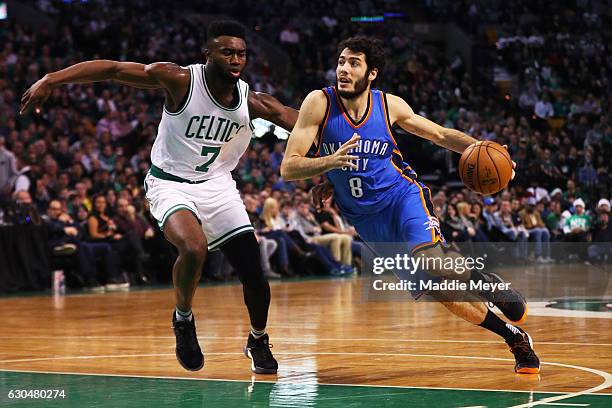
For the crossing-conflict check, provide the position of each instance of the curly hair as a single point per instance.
(371, 47)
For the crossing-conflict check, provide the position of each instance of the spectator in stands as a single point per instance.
(281, 252)
(511, 230)
(478, 219)
(22, 197)
(82, 196)
(267, 247)
(102, 229)
(22, 179)
(601, 249)
(603, 206)
(8, 170)
(453, 227)
(135, 231)
(331, 223)
(532, 222)
(271, 216)
(273, 227)
(553, 221)
(577, 226)
(476, 234)
(338, 244)
(65, 239)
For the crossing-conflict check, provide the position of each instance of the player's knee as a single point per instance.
(193, 250)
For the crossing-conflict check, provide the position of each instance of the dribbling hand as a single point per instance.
(513, 165)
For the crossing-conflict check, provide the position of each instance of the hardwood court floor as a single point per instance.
(334, 349)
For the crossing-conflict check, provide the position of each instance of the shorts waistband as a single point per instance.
(159, 173)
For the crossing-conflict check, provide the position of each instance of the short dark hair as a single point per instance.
(225, 27)
(371, 47)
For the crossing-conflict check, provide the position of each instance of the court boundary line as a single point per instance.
(8, 370)
(590, 391)
(301, 340)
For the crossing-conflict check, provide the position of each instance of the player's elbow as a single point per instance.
(154, 68)
(286, 170)
(157, 70)
(110, 68)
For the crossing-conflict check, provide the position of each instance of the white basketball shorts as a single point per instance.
(216, 203)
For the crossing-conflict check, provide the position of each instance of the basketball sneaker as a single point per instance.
(188, 352)
(510, 302)
(527, 362)
(258, 350)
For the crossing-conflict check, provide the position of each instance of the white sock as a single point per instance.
(257, 333)
(181, 315)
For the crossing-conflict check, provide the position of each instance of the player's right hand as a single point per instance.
(35, 95)
(341, 157)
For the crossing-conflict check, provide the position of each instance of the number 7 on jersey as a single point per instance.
(207, 150)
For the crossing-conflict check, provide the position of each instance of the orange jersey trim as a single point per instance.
(383, 98)
(323, 124)
(347, 116)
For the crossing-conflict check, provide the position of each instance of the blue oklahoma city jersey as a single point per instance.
(382, 197)
(365, 189)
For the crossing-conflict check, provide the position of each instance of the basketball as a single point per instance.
(485, 167)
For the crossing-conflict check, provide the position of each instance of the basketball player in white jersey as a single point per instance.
(205, 128)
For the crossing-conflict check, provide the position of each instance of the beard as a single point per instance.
(360, 86)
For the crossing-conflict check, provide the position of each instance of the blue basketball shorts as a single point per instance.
(408, 222)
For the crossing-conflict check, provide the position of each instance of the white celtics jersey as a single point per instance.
(203, 139)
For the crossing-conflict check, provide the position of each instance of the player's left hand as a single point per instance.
(321, 193)
(35, 96)
(513, 165)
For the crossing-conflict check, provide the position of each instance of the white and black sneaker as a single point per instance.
(258, 350)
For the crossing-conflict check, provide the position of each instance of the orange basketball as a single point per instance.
(485, 167)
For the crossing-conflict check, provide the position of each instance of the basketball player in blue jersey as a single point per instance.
(204, 130)
(379, 193)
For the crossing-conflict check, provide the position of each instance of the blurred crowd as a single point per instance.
(81, 160)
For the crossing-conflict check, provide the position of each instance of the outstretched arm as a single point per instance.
(160, 75)
(401, 113)
(296, 165)
(262, 105)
